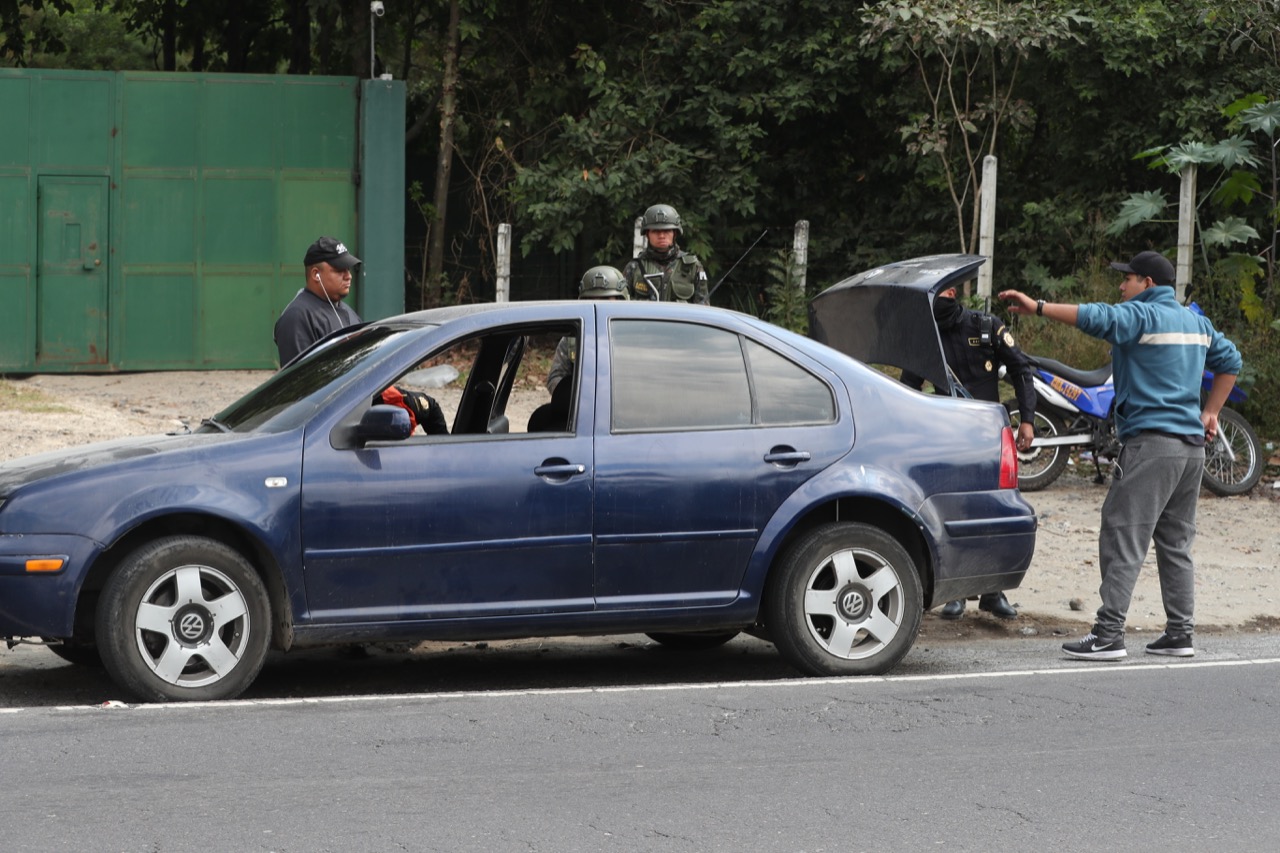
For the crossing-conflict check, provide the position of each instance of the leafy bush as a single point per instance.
(1064, 343)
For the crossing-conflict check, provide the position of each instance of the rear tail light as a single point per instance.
(1008, 460)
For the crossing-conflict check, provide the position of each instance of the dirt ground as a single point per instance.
(1237, 550)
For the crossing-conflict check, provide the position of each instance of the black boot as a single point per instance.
(952, 609)
(997, 605)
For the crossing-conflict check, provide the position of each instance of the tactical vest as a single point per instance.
(679, 278)
(970, 351)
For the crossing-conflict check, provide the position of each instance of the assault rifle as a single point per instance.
(735, 265)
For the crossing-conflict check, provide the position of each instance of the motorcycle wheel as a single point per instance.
(1222, 475)
(1039, 466)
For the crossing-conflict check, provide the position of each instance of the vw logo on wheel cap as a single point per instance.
(191, 626)
(852, 602)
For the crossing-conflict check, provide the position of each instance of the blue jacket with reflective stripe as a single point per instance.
(1159, 351)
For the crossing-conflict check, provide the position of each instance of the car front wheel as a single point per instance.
(184, 618)
(844, 600)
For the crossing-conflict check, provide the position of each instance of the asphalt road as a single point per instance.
(617, 745)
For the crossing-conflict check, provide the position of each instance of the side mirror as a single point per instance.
(383, 423)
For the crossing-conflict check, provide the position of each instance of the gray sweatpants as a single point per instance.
(1154, 488)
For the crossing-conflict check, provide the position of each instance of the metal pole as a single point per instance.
(637, 238)
(800, 250)
(503, 284)
(1186, 230)
(987, 227)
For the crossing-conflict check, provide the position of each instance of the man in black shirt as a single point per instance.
(975, 343)
(318, 308)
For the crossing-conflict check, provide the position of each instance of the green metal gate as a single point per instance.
(158, 221)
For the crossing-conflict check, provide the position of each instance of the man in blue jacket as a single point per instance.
(1159, 351)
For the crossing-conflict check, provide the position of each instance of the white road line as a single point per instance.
(1103, 667)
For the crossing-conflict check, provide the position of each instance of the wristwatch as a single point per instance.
(1039, 307)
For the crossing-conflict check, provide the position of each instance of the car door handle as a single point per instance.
(786, 456)
(559, 469)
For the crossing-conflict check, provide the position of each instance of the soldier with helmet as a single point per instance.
(597, 283)
(663, 271)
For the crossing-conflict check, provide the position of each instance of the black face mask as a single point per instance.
(946, 312)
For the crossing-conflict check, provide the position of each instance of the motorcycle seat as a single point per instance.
(1083, 378)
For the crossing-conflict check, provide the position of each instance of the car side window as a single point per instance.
(676, 376)
(490, 385)
(786, 393)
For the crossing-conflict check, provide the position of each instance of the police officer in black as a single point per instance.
(975, 344)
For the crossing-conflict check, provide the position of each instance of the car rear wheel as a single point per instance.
(844, 600)
(693, 640)
(184, 618)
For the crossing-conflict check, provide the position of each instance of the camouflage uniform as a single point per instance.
(673, 275)
(597, 283)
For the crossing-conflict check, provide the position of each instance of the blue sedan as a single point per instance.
(698, 474)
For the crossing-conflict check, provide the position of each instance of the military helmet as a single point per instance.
(661, 217)
(601, 283)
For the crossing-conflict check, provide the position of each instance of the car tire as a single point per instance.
(845, 599)
(73, 651)
(693, 641)
(184, 618)
(1039, 466)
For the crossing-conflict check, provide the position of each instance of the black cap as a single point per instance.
(1151, 265)
(329, 251)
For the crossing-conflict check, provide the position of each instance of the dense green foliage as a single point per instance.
(868, 119)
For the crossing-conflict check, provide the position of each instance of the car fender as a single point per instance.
(838, 482)
(252, 485)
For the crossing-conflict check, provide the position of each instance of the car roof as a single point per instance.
(537, 307)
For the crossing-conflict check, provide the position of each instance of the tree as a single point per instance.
(444, 162)
(709, 107)
(966, 55)
(79, 35)
(1241, 181)
(19, 34)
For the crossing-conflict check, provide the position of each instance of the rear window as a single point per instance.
(680, 376)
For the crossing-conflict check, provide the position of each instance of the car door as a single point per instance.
(479, 523)
(701, 434)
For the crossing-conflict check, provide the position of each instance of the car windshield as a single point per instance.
(289, 397)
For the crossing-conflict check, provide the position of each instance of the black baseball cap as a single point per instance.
(329, 251)
(1151, 265)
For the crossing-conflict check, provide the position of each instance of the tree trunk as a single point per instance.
(299, 37)
(361, 20)
(169, 36)
(444, 163)
(233, 39)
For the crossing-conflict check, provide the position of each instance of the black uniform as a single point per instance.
(307, 319)
(975, 344)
